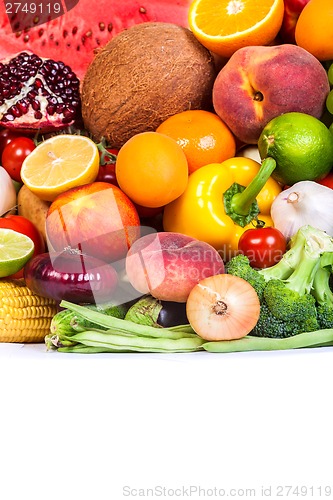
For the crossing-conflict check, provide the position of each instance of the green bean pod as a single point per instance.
(84, 349)
(94, 338)
(318, 338)
(120, 326)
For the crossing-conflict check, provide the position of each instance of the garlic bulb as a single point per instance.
(305, 202)
(7, 192)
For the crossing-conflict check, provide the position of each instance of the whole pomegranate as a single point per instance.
(37, 93)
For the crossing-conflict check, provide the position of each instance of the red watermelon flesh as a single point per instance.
(74, 36)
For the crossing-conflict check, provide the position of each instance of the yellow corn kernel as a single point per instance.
(24, 316)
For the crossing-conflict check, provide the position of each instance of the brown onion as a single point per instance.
(223, 307)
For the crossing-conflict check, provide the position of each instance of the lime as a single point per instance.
(301, 145)
(15, 251)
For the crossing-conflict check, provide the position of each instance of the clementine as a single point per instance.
(203, 136)
(152, 169)
(314, 29)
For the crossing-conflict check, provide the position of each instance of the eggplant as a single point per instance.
(153, 312)
(70, 276)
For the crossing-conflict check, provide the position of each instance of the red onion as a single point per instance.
(71, 276)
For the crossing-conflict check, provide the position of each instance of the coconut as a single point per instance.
(143, 76)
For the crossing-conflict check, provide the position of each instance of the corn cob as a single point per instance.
(24, 316)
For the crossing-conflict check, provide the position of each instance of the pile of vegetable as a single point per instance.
(104, 215)
(295, 311)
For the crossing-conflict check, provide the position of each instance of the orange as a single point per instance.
(204, 137)
(224, 26)
(60, 163)
(314, 29)
(151, 168)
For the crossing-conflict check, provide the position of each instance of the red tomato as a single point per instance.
(6, 135)
(264, 246)
(327, 181)
(14, 154)
(107, 168)
(24, 226)
(147, 212)
(107, 173)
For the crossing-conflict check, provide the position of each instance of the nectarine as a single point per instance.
(168, 265)
(259, 83)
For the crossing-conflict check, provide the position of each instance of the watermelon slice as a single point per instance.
(74, 36)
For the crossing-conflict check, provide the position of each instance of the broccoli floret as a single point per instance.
(322, 291)
(292, 297)
(325, 316)
(287, 304)
(307, 241)
(240, 266)
(270, 326)
(295, 294)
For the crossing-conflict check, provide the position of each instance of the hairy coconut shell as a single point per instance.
(143, 76)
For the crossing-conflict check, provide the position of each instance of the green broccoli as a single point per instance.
(291, 297)
(322, 291)
(269, 325)
(295, 294)
(240, 266)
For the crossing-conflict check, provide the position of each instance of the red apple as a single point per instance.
(292, 10)
(97, 218)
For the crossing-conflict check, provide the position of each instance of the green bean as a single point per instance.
(318, 338)
(124, 326)
(84, 349)
(96, 338)
(182, 328)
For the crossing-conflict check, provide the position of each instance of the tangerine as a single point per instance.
(203, 136)
(314, 29)
(152, 169)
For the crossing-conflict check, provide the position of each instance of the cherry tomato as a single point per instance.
(24, 226)
(264, 246)
(327, 181)
(107, 168)
(107, 173)
(14, 154)
(6, 136)
(147, 212)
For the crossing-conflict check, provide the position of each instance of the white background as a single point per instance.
(85, 426)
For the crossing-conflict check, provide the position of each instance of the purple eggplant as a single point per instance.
(153, 312)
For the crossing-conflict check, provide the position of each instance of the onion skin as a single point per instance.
(223, 307)
(72, 277)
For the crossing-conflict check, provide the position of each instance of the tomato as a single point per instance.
(107, 173)
(24, 226)
(327, 181)
(6, 136)
(264, 246)
(147, 212)
(107, 168)
(14, 154)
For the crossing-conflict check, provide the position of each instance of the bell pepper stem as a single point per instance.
(241, 202)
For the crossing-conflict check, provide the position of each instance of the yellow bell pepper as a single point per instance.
(200, 211)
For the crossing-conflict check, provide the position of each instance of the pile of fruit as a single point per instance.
(172, 190)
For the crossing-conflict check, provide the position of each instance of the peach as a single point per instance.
(168, 265)
(259, 83)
